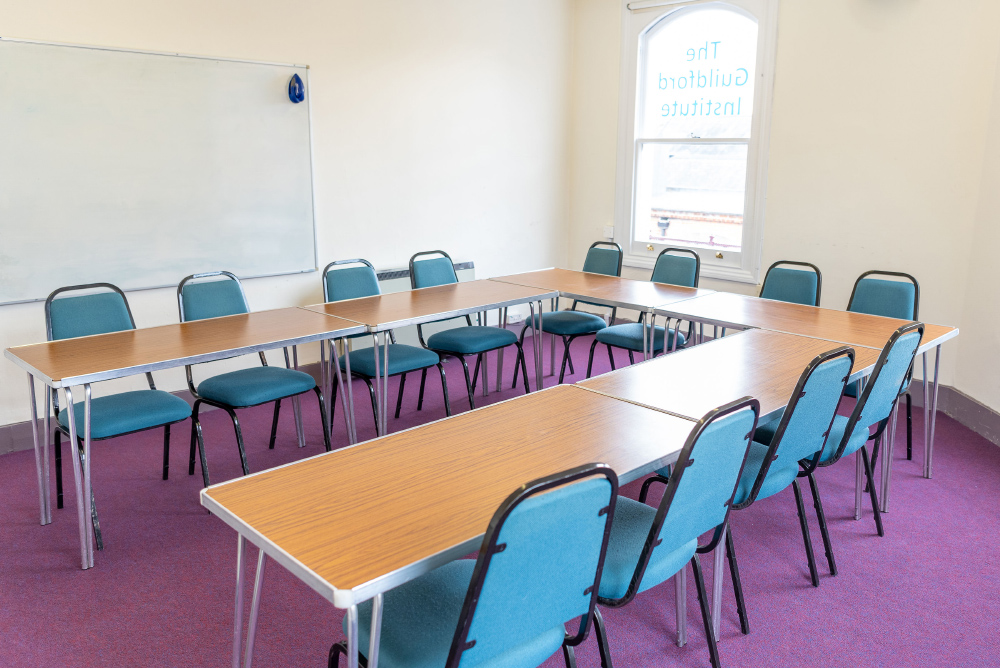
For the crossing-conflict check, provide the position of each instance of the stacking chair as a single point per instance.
(341, 281)
(460, 341)
(892, 299)
(119, 414)
(537, 570)
(650, 545)
(798, 286)
(222, 295)
(603, 257)
(670, 269)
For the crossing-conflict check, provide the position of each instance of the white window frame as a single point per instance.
(637, 17)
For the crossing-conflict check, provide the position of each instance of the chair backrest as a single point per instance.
(805, 424)
(798, 286)
(438, 270)
(702, 482)
(883, 386)
(539, 565)
(890, 298)
(198, 299)
(349, 282)
(86, 315)
(677, 269)
(604, 257)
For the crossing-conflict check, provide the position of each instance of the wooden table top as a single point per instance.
(89, 359)
(413, 307)
(610, 290)
(363, 519)
(732, 310)
(692, 381)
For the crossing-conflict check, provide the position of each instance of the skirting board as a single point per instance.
(953, 403)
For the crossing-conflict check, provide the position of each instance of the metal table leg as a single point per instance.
(238, 613)
(718, 578)
(376, 631)
(78, 479)
(258, 585)
(929, 440)
(888, 446)
(41, 468)
(296, 400)
(680, 589)
(352, 636)
(503, 325)
(554, 305)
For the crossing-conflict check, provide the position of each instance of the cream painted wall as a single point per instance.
(437, 124)
(877, 143)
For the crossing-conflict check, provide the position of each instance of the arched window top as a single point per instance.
(697, 74)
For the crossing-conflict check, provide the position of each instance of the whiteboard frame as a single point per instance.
(312, 157)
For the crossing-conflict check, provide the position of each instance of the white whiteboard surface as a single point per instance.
(138, 169)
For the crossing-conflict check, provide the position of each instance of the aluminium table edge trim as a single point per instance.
(925, 345)
(35, 373)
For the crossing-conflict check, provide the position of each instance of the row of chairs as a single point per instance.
(561, 547)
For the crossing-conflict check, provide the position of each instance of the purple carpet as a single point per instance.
(162, 591)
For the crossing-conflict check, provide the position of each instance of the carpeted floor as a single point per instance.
(162, 591)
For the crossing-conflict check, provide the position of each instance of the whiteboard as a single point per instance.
(139, 168)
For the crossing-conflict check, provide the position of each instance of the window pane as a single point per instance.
(691, 194)
(697, 75)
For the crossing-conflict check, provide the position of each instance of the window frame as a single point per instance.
(637, 18)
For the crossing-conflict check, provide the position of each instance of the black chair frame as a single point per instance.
(197, 439)
(470, 382)
(460, 642)
(819, 276)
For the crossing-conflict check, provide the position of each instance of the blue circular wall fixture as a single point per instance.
(296, 89)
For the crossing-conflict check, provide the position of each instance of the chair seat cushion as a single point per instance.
(127, 412)
(858, 439)
(256, 385)
(779, 476)
(402, 358)
(419, 620)
(471, 340)
(570, 323)
(629, 531)
(629, 336)
(765, 431)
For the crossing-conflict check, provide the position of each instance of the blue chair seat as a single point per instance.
(127, 412)
(419, 620)
(402, 358)
(629, 531)
(570, 323)
(779, 476)
(256, 385)
(629, 336)
(471, 340)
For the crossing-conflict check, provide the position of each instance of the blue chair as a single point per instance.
(797, 286)
(198, 299)
(351, 279)
(537, 571)
(869, 418)
(670, 269)
(650, 545)
(459, 341)
(893, 299)
(118, 414)
(603, 257)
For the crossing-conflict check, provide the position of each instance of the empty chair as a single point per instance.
(537, 570)
(798, 286)
(438, 269)
(672, 269)
(892, 299)
(650, 545)
(214, 295)
(603, 257)
(350, 279)
(104, 309)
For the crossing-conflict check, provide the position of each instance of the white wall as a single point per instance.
(437, 124)
(876, 154)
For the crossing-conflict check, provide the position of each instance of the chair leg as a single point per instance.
(909, 427)
(399, 397)
(611, 358)
(420, 397)
(871, 492)
(734, 572)
(475, 372)
(590, 358)
(517, 364)
(565, 359)
(95, 522)
(444, 389)
(601, 631)
(274, 424)
(194, 421)
(166, 452)
(568, 358)
(327, 441)
(647, 483)
(806, 538)
(524, 369)
(468, 382)
(371, 393)
(824, 530)
(706, 616)
(520, 356)
(196, 431)
(569, 656)
(631, 357)
(59, 484)
(239, 440)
